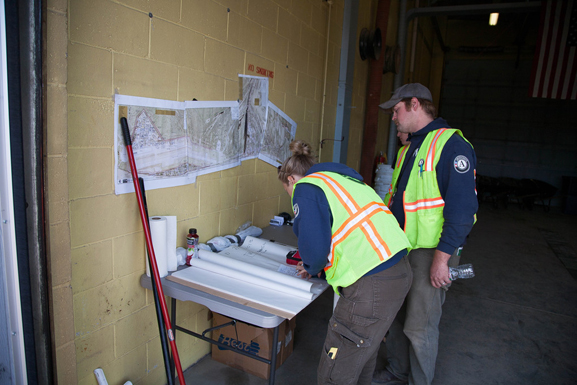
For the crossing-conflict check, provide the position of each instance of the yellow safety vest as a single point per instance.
(364, 231)
(422, 201)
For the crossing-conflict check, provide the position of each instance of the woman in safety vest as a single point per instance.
(345, 231)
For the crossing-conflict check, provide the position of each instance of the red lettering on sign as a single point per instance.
(261, 71)
(265, 72)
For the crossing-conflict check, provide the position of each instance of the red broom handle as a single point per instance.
(154, 266)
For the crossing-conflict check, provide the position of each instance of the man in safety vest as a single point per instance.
(434, 199)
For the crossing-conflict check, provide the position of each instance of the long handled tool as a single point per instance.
(153, 265)
(165, 351)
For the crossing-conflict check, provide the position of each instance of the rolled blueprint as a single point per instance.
(297, 283)
(273, 250)
(251, 257)
(267, 280)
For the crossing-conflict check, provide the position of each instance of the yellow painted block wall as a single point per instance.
(175, 50)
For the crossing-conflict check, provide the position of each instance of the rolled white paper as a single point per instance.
(248, 268)
(158, 235)
(171, 260)
(273, 250)
(206, 264)
(242, 254)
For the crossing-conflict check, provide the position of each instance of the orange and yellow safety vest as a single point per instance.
(364, 231)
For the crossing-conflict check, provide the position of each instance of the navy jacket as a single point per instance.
(313, 221)
(456, 185)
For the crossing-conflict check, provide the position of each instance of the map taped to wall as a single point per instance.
(253, 99)
(174, 142)
(280, 132)
(268, 131)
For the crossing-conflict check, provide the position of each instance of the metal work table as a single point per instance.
(230, 309)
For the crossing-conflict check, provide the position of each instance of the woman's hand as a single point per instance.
(302, 272)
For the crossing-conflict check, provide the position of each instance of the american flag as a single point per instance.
(555, 64)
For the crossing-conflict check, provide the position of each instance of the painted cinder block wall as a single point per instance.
(176, 50)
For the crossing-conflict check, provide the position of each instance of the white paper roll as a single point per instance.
(297, 283)
(247, 277)
(242, 254)
(273, 250)
(158, 233)
(171, 260)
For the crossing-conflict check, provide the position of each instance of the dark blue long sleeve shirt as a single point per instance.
(313, 221)
(457, 186)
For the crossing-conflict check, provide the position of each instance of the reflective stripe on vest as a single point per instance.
(401, 155)
(423, 204)
(431, 150)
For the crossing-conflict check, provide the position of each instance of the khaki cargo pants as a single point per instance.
(359, 323)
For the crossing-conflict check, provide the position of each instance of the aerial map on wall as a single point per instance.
(277, 137)
(253, 101)
(174, 142)
(215, 135)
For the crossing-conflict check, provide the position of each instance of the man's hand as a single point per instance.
(440, 269)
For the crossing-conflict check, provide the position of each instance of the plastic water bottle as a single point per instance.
(192, 245)
(462, 271)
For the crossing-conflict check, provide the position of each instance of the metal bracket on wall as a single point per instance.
(334, 140)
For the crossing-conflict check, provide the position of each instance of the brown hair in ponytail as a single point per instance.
(299, 162)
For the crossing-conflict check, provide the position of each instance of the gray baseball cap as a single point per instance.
(410, 90)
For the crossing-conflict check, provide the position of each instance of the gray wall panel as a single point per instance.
(514, 135)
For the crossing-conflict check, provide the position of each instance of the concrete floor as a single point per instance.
(514, 323)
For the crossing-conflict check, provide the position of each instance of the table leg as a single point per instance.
(273, 355)
(173, 323)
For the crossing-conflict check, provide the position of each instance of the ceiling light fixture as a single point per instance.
(493, 18)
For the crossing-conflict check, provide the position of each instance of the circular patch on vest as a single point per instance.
(296, 210)
(462, 164)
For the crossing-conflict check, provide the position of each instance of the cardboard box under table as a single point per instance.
(256, 341)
